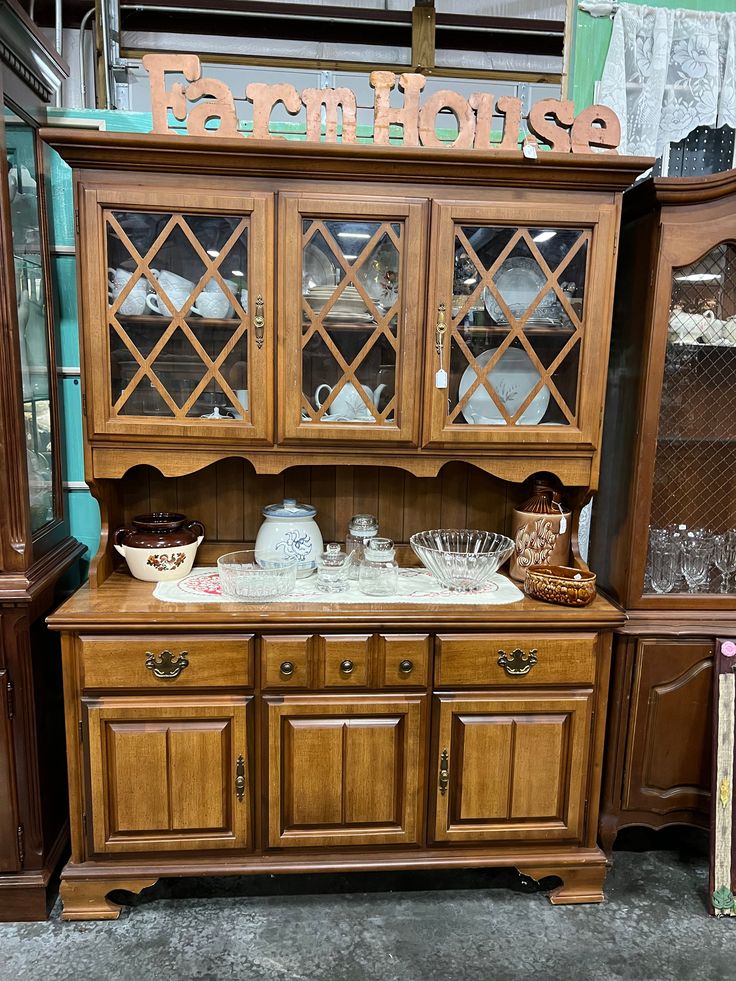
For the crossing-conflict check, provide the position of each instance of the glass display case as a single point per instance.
(692, 527)
(32, 318)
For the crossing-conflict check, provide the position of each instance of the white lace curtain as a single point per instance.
(667, 72)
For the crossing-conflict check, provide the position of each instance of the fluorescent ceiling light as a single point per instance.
(469, 282)
(236, 272)
(544, 236)
(213, 252)
(698, 278)
(349, 256)
(362, 235)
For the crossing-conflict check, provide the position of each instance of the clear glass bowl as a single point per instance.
(462, 559)
(270, 576)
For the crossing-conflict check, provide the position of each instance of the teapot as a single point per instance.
(348, 404)
(160, 546)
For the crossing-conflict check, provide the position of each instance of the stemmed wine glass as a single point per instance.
(725, 557)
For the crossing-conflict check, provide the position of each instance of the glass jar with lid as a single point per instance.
(333, 569)
(378, 574)
(362, 527)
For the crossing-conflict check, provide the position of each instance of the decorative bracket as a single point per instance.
(168, 666)
(517, 664)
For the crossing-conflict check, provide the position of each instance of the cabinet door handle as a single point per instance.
(440, 330)
(168, 666)
(444, 772)
(406, 667)
(240, 778)
(347, 667)
(259, 321)
(287, 668)
(517, 663)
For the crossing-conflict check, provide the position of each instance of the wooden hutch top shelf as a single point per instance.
(291, 302)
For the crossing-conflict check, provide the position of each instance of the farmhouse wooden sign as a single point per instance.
(204, 101)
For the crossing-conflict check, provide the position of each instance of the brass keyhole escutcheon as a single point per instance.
(287, 668)
(347, 667)
(240, 778)
(444, 772)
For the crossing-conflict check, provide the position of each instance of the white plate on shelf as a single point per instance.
(519, 282)
(513, 377)
(317, 269)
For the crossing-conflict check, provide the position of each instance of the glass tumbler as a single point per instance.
(664, 566)
(379, 573)
(696, 555)
(333, 570)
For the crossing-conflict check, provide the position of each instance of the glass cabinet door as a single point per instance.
(352, 306)
(187, 338)
(692, 518)
(33, 325)
(511, 306)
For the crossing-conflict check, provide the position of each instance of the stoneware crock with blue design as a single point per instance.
(290, 530)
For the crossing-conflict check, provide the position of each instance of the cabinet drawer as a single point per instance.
(405, 660)
(527, 659)
(285, 661)
(170, 661)
(323, 661)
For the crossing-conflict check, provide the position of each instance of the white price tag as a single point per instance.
(440, 379)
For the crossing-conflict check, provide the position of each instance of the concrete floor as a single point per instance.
(466, 926)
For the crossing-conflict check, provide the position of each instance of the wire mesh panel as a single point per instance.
(693, 513)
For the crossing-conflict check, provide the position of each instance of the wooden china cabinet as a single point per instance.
(668, 474)
(408, 332)
(35, 546)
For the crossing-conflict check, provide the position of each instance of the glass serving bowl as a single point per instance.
(269, 576)
(462, 559)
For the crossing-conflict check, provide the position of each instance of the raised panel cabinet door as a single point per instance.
(178, 311)
(511, 767)
(345, 770)
(520, 302)
(351, 305)
(169, 773)
(9, 857)
(667, 765)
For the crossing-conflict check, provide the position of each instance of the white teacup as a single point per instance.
(135, 302)
(170, 280)
(713, 330)
(216, 306)
(241, 394)
(213, 288)
(177, 297)
(690, 327)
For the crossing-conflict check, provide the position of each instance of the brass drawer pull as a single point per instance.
(444, 772)
(168, 666)
(347, 667)
(287, 668)
(259, 321)
(517, 663)
(240, 778)
(406, 667)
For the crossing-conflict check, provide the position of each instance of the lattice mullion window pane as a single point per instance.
(352, 274)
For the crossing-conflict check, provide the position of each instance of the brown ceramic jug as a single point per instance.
(540, 528)
(160, 546)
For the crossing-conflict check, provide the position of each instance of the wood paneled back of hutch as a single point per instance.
(409, 332)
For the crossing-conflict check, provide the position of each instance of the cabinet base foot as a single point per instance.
(86, 899)
(580, 883)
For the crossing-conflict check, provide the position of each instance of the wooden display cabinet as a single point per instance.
(669, 473)
(411, 333)
(35, 546)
